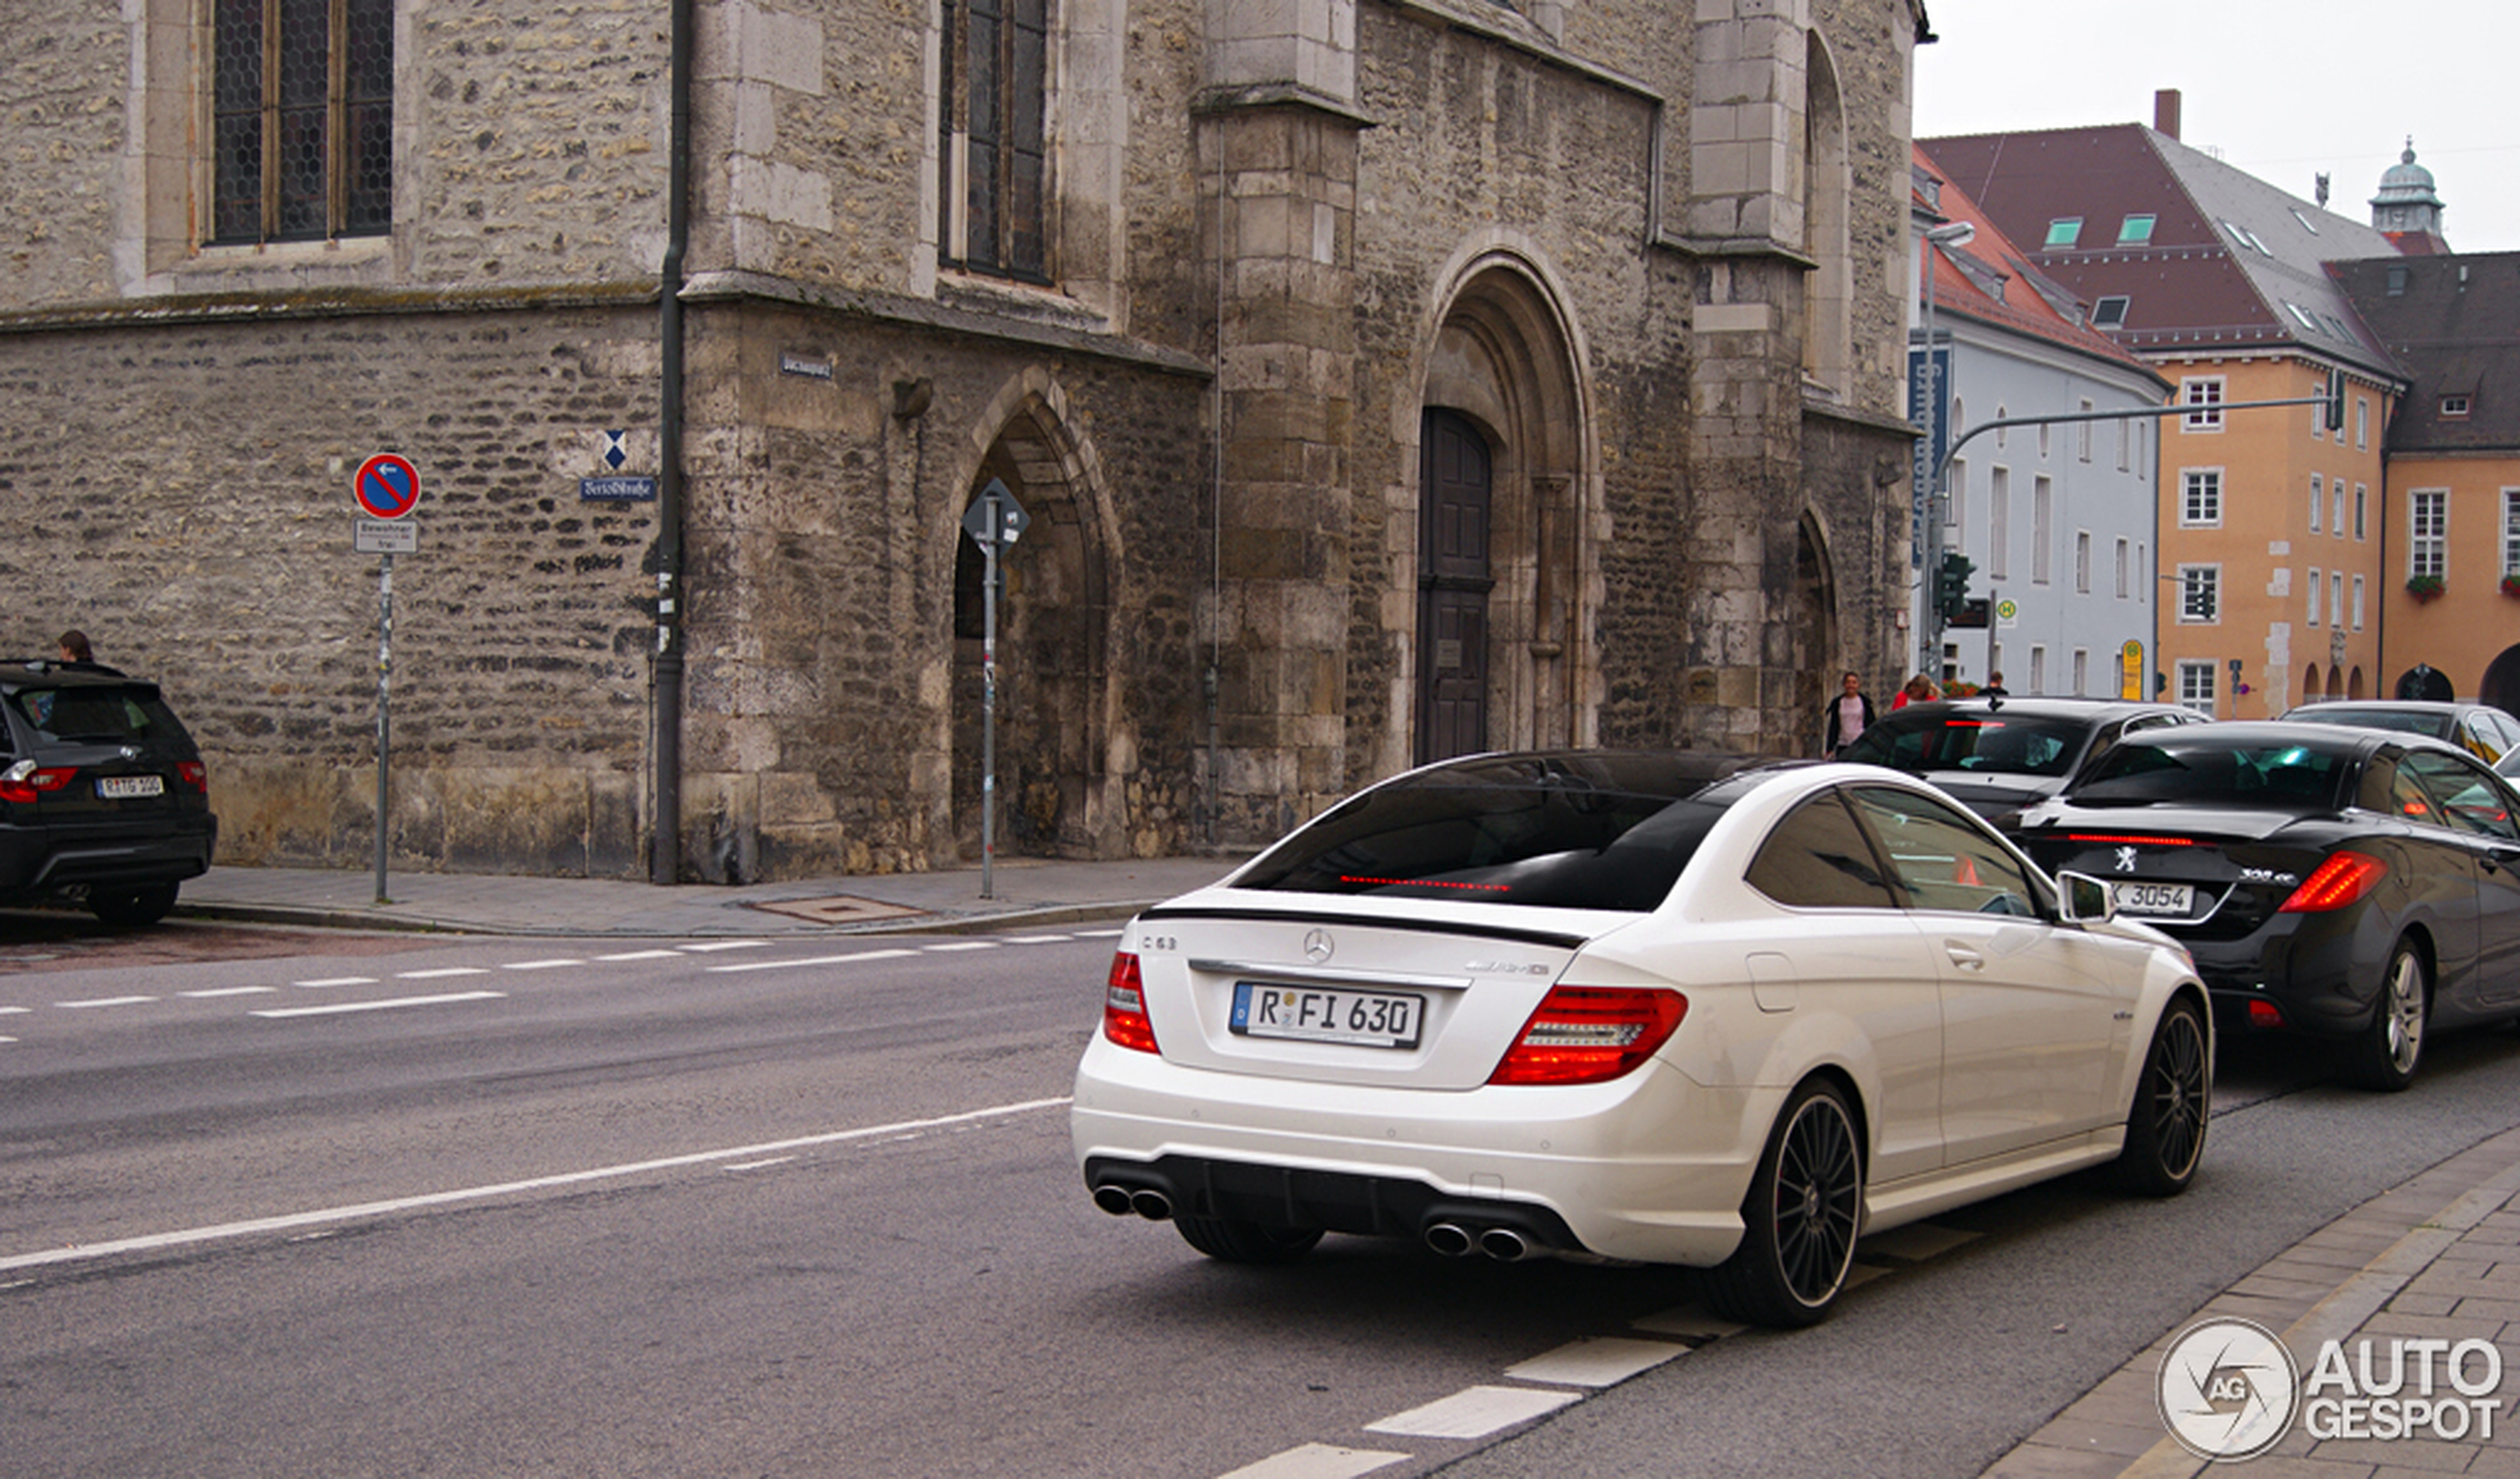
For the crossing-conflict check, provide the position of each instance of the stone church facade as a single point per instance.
(1383, 379)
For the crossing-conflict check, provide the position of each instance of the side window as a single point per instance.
(2466, 798)
(302, 120)
(995, 150)
(1941, 859)
(1818, 858)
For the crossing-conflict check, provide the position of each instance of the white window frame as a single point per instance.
(2362, 425)
(2318, 497)
(2426, 532)
(2337, 507)
(2336, 597)
(2082, 562)
(2203, 391)
(2316, 586)
(2510, 531)
(2358, 603)
(2122, 566)
(2082, 672)
(2200, 498)
(2043, 502)
(1999, 522)
(2082, 436)
(2207, 577)
(2196, 684)
(2361, 511)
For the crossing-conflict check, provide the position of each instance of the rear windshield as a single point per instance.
(2401, 720)
(1995, 743)
(2280, 775)
(134, 714)
(1560, 833)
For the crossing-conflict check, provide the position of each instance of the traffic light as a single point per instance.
(2197, 599)
(1950, 585)
(2335, 400)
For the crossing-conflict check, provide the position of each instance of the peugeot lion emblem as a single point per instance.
(1317, 946)
(2126, 860)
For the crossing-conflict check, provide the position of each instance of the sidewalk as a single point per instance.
(1024, 891)
(2437, 1259)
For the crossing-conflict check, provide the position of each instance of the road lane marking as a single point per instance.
(106, 1001)
(206, 994)
(703, 946)
(810, 961)
(15, 1011)
(642, 955)
(151, 1242)
(439, 972)
(1317, 1461)
(758, 1164)
(1597, 1361)
(1036, 940)
(336, 981)
(333, 1009)
(962, 944)
(540, 964)
(1474, 1413)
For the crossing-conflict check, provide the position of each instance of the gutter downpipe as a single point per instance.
(665, 844)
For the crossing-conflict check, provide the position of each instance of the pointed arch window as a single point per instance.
(302, 119)
(995, 134)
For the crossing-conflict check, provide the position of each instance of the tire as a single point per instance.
(1802, 1216)
(131, 907)
(1228, 1240)
(2174, 1102)
(2384, 1056)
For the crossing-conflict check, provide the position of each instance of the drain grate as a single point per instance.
(841, 909)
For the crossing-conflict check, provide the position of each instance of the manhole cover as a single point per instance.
(838, 910)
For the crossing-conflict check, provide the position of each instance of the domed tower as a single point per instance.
(2408, 209)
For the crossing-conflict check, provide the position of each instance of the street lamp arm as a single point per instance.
(2068, 417)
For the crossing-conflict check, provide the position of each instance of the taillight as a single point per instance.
(2339, 881)
(194, 774)
(1589, 1035)
(25, 781)
(1124, 1006)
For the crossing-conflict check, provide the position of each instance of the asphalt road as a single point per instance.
(364, 1206)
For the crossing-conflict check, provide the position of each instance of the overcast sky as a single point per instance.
(2281, 88)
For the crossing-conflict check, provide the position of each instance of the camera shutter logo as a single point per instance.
(2227, 1389)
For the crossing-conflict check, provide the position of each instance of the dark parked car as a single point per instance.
(2480, 729)
(2350, 884)
(1995, 755)
(103, 796)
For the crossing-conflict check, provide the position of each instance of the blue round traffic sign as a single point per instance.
(387, 487)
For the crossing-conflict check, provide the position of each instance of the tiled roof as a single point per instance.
(2453, 322)
(2229, 263)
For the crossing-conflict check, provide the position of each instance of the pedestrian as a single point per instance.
(1918, 690)
(1846, 716)
(1994, 686)
(80, 654)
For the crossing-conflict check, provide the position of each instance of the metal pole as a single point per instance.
(1929, 658)
(988, 703)
(384, 710)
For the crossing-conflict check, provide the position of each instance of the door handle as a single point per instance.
(1963, 956)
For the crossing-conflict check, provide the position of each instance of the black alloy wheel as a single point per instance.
(1802, 1216)
(2174, 1099)
(1233, 1241)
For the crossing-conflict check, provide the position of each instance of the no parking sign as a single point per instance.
(387, 487)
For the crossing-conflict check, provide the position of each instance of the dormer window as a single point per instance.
(2135, 230)
(2454, 407)
(2063, 231)
(2109, 312)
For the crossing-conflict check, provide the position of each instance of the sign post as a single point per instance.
(386, 490)
(995, 521)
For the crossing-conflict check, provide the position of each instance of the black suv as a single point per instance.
(1996, 756)
(103, 794)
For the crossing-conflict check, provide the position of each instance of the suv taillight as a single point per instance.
(26, 781)
(1124, 1018)
(194, 774)
(1590, 1034)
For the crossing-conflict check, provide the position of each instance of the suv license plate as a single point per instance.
(2155, 899)
(115, 787)
(1315, 1014)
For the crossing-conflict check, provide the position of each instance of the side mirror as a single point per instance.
(2085, 900)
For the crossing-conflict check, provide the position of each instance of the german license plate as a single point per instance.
(116, 787)
(1324, 1013)
(2155, 897)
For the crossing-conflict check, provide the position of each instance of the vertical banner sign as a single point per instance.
(387, 488)
(1930, 406)
(995, 521)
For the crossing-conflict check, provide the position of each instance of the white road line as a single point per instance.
(330, 1008)
(8, 1040)
(1317, 1461)
(439, 972)
(960, 944)
(1474, 1413)
(540, 964)
(1036, 940)
(1100, 934)
(151, 1242)
(642, 955)
(1599, 1361)
(703, 946)
(15, 1011)
(228, 991)
(812, 960)
(758, 1164)
(106, 1001)
(338, 981)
